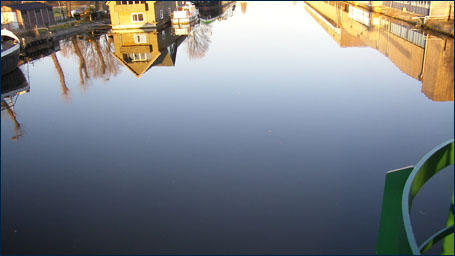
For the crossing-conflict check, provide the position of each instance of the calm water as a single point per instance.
(268, 130)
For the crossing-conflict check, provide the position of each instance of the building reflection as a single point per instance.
(199, 40)
(425, 57)
(141, 50)
(13, 85)
(142, 35)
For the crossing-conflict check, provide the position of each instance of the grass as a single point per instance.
(61, 26)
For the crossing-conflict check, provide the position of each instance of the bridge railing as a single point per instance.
(395, 231)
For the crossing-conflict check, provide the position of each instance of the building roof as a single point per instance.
(28, 6)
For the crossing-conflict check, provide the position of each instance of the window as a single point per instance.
(137, 17)
(23, 12)
(163, 34)
(140, 39)
(37, 10)
(161, 14)
(129, 2)
(169, 11)
(131, 57)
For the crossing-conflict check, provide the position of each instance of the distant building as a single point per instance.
(141, 50)
(434, 9)
(27, 15)
(422, 56)
(141, 14)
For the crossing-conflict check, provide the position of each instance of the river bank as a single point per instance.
(62, 30)
(441, 25)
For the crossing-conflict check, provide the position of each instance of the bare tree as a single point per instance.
(68, 9)
(95, 43)
(82, 65)
(198, 42)
(65, 94)
(96, 53)
(98, 6)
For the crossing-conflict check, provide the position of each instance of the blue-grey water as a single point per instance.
(274, 136)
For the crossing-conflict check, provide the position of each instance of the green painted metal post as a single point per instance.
(395, 231)
(391, 227)
(447, 243)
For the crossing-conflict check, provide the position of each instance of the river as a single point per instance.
(268, 129)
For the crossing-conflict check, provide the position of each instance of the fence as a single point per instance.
(419, 7)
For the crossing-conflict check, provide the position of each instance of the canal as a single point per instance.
(267, 127)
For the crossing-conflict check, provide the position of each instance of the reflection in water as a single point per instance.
(82, 66)
(191, 138)
(198, 42)
(425, 57)
(94, 54)
(65, 90)
(13, 85)
(139, 51)
(243, 5)
(215, 10)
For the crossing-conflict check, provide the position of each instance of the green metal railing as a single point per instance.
(401, 186)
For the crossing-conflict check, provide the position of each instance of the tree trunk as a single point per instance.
(98, 6)
(61, 75)
(82, 66)
(100, 55)
(11, 113)
(68, 9)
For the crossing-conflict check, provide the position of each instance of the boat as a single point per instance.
(10, 51)
(182, 29)
(210, 11)
(185, 14)
(13, 84)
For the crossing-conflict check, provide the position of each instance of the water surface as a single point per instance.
(273, 135)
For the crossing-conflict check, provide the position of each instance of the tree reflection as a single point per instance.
(9, 108)
(95, 43)
(95, 56)
(65, 95)
(82, 66)
(198, 42)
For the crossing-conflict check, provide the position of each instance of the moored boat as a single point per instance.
(10, 51)
(185, 14)
(13, 84)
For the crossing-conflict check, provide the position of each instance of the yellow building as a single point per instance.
(141, 50)
(424, 57)
(141, 14)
